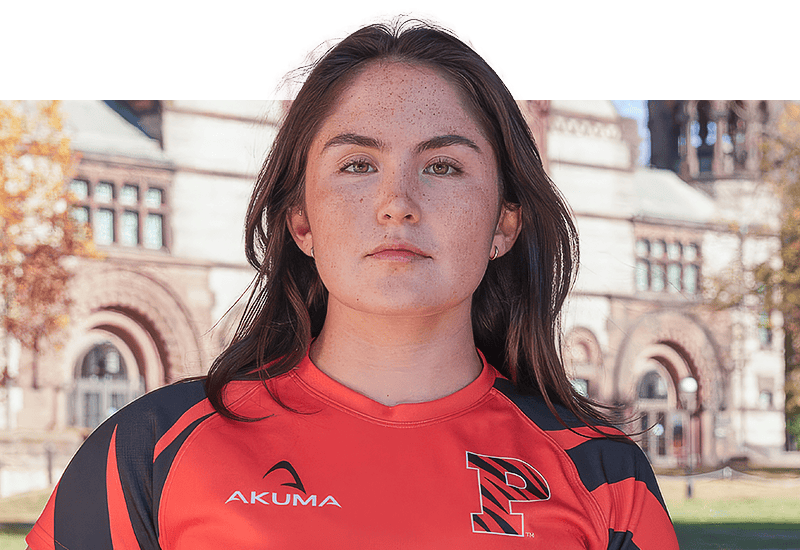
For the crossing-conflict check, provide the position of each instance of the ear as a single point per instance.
(300, 230)
(508, 227)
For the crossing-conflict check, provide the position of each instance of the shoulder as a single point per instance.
(601, 453)
(536, 409)
(165, 404)
(161, 409)
(611, 468)
(140, 425)
(114, 468)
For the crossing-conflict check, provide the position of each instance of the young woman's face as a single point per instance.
(402, 200)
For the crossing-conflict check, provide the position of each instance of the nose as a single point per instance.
(397, 203)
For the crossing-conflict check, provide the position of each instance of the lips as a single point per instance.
(397, 251)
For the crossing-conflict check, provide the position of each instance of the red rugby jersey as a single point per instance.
(483, 468)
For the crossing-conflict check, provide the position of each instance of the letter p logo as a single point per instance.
(503, 481)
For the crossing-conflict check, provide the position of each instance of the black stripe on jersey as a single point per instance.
(503, 524)
(81, 516)
(487, 494)
(480, 522)
(598, 460)
(486, 467)
(164, 463)
(535, 408)
(621, 540)
(82, 499)
(601, 461)
(143, 424)
(533, 483)
(508, 496)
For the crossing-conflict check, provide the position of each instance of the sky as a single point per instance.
(637, 110)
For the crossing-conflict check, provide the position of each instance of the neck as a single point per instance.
(396, 360)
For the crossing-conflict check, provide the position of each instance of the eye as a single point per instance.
(358, 166)
(442, 167)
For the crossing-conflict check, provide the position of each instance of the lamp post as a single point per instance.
(688, 389)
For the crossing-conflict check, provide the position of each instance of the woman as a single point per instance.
(406, 238)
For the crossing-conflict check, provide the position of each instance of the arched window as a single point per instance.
(103, 385)
(102, 361)
(653, 386)
(706, 136)
(737, 133)
(654, 413)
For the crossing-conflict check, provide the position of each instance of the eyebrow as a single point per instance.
(434, 143)
(354, 139)
(446, 141)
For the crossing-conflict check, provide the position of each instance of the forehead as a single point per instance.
(402, 99)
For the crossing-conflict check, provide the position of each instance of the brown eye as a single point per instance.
(440, 169)
(358, 167)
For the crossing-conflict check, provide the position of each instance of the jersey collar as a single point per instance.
(340, 396)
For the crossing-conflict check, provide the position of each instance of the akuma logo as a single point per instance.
(503, 481)
(286, 465)
(283, 498)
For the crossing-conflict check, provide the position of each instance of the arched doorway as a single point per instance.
(661, 418)
(107, 378)
(677, 346)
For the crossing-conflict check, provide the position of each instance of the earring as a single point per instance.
(312, 251)
(494, 255)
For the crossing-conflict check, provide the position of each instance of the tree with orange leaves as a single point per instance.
(781, 286)
(37, 233)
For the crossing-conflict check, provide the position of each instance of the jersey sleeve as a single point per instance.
(618, 475)
(108, 495)
(614, 471)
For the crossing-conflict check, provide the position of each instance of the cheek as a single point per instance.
(331, 214)
(468, 233)
(332, 231)
(473, 219)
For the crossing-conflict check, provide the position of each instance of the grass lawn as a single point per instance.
(740, 514)
(12, 539)
(21, 509)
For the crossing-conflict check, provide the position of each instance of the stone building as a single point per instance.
(164, 186)
(658, 244)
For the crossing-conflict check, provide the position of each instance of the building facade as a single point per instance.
(652, 324)
(164, 186)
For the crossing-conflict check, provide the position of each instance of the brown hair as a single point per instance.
(516, 308)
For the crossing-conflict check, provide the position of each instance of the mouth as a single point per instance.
(397, 252)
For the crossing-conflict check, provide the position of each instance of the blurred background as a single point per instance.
(121, 265)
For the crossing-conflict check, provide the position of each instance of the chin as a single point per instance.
(407, 304)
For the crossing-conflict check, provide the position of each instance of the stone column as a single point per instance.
(720, 117)
(689, 166)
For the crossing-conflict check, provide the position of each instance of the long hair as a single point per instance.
(516, 308)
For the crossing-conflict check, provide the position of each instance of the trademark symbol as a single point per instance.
(529, 534)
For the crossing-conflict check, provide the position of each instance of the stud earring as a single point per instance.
(495, 253)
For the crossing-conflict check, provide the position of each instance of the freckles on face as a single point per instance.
(402, 195)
